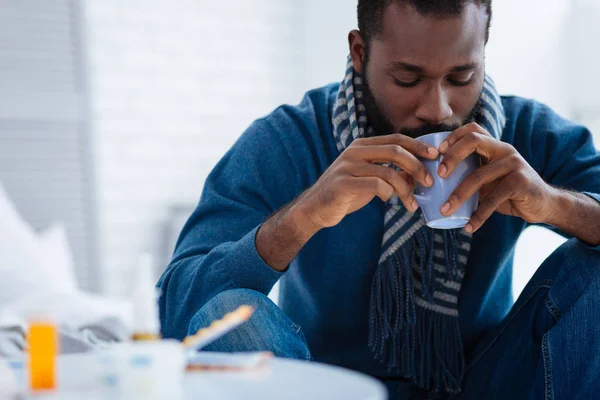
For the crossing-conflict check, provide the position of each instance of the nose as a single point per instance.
(434, 107)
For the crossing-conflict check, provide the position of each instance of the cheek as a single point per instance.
(464, 99)
(393, 101)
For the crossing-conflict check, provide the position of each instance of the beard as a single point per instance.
(382, 125)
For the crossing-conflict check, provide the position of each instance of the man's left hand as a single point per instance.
(505, 181)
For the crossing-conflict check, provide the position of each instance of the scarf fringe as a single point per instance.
(425, 346)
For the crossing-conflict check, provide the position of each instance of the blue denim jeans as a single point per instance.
(269, 329)
(548, 347)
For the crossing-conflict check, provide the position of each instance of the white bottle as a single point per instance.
(146, 322)
(149, 368)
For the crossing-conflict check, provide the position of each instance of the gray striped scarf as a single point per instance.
(414, 326)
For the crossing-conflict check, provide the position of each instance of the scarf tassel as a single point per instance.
(409, 342)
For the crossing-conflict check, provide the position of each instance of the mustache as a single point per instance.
(426, 129)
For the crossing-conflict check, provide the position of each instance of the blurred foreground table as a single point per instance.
(278, 379)
(285, 379)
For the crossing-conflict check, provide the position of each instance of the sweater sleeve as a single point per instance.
(216, 250)
(562, 152)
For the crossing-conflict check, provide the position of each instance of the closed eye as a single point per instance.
(407, 84)
(461, 80)
(460, 83)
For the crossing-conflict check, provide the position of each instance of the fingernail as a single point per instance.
(433, 151)
(442, 170)
(429, 180)
(414, 205)
(469, 228)
(445, 208)
(444, 147)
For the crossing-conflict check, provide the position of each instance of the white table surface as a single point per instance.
(285, 379)
(277, 379)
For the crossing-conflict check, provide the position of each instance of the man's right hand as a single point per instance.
(358, 176)
(350, 183)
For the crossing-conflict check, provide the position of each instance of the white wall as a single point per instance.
(45, 159)
(583, 64)
(325, 41)
(525, 54)
(174, 83)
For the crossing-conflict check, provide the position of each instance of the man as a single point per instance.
(309, 195)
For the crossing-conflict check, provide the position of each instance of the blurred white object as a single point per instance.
(150, 370)
(57, 256)
(69, 310)
(227, 361)
(278, 379)
(19, 254)
(145, 299)
(285, 379)
(136, 370)
(29, 264)
(37, 278)
(85, 321)
(8, 382)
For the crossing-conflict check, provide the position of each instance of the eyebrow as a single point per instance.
(420, 70)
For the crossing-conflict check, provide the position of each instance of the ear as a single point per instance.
(357, 50)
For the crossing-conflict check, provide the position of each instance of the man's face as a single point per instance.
(423, 74)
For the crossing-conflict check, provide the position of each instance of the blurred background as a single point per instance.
(113, 112)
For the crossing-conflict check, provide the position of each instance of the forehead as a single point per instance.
(410, 37)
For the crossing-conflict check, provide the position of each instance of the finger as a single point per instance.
(489, 204)
(456, 135)
(486, 189)
(398, 180)
(398, 156)
(374, 185)
(408, 178)
(470, 143)
(474, 182)
(414, 146)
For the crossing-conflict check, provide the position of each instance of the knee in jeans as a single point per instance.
(225, 302)
(577, 274)
(574, 255)
(238, 297)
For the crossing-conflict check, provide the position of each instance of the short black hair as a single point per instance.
(370, 12)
